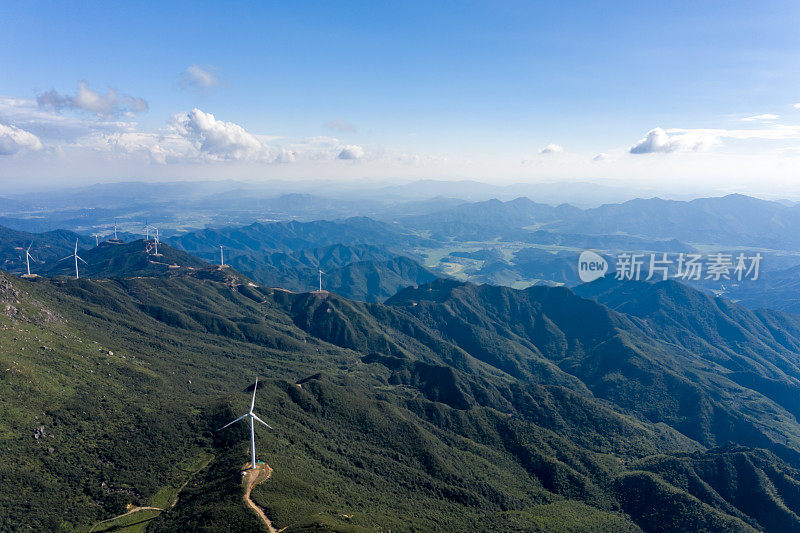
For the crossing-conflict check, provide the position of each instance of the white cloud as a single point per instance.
(52, 126)
(85, 99)
(797, 105)
(320, 148)
(552, 149)
(351, 152)
(155, 147)
(14, 140)
(765, 117)
(199, 78)
(93, 137)
(340, 124)
(286, 156)
(658, 140)
(698, 140)
(601, 157)
(217, 140)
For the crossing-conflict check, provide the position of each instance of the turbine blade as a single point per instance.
(253, 403)
(254, 416)
(81, 258)
(68, 257)
(229, 423)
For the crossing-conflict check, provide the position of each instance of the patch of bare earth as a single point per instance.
(251, 477)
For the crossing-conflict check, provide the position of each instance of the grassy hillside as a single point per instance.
(454, 407)
(356, 255)
(46, 248)
(360, 272)
(137, 258)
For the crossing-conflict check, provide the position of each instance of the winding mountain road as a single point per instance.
(251, 478)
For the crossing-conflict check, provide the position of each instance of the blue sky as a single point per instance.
(402, 89)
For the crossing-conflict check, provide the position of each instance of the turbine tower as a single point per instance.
(147, 228)
(115, 240)
(29, 257)
(320, 280)
(96, 239)
(252, 417)
(155, 241)
(77, 258)
(221, 257)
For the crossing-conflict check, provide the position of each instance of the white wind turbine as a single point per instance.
(252, 417)
(96, 239)
(221, 257)
(115, 240)
(29, 257)
(155, 241)
(320, 280)
(77, 257)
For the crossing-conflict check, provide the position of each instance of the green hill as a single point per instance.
(451, 407)
(46, 248)
(375, 281)
(137, 258)
(356, 254)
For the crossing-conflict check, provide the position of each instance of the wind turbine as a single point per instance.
(253, 417)
(28, 258)
(221, 257)
(147, 228)
(115, 240)
(155, 241)
(96, 239)
(320, 280)
(77, 257)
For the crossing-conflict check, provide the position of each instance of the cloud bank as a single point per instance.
(659, 140)
(14, 140)
(85, 99)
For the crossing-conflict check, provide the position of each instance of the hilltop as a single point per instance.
(47, 247)
(138, 258)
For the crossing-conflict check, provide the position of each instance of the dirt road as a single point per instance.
(251, 478)
(131, 509)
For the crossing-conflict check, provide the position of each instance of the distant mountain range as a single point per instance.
(729, 220)
(532, 242)
(294, 236)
